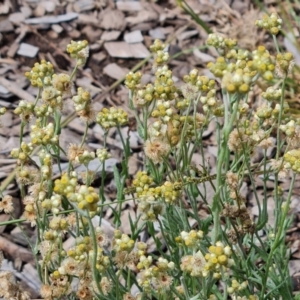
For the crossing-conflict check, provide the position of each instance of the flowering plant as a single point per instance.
(220, 255)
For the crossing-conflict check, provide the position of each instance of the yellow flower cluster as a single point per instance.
(85, 196)
(102, 261)
(79, 50)
(272, 94)
(218, 257)
(163, 88)
(190, 239)
(41, 74)
(220, 43)
(203, 88)
(23, 152)
(85, 157)
(152, 275)
(169, 193)
(290, 128)
(74, 47)
(263, 63)
(284, 63)
(44, 110)
(108, 118)
(270, 23)
(53, 204)
(163, 111)
(122, 242)
(149, 195)
(162, 56)
(216, 261)
(236, 286)
(83, 245)
(292, 160)
(66, 185)
(142, 183)
(239, 69)
(103, 154)
(203, 83)
(46, 164)
(43, 135)
(24, 110)
(57, 223)
(83, 104)
(132, 80)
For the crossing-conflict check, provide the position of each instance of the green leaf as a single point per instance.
(261, 253)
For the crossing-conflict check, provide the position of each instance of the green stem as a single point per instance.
(85, 134)
(216, 205)
(74, 71)
(278, 238)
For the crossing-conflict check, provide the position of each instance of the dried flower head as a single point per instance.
(101, 237)
(232, 180)
(266, 143)
(105, 285)
(62, 82)
(74, 151)
(128, 296)
(189, 91)
(280, 167)
(46, 291)
(6, 204)
(156, 149)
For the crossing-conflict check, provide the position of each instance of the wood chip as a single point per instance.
(7, 119)
(6, 26)
(31, 277)
(204, 57)
(187, 34)
(27, 50)
(144, 26)
(112, 19)
(110, 35)
(52, 34)
(142, 17)
(129, 5)
(49, 6)
(16, 18)
(88, 19)
(79, 126)
(157, 33)
(16, 89)
(26, 11)
(57, 28)
(13, 49)
(40, 10)
(4, 8)
(53, 19)
(124, 50)
(91, 33)
(115, 71)
(98, 57)
(83, 5)
(133, 37)
(15, 251)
